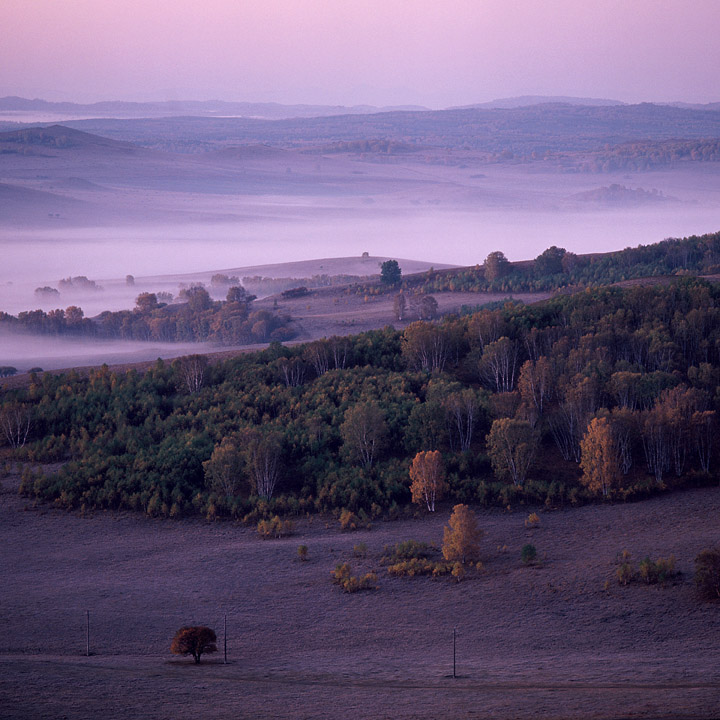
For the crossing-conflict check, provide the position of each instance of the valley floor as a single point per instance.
(561, 640)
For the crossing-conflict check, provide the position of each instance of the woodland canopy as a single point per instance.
(506, 395)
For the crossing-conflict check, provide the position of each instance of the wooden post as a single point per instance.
(87, 633)
(454, 653)
(225, 640)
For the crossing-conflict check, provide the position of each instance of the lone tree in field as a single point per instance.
(461, 540)
(428, 478)
(194, 641)
(390, 272)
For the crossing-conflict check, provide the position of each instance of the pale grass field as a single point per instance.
(544, 642)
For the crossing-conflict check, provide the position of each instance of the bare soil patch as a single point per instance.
(548, 641)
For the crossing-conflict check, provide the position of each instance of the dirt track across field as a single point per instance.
(552, 641)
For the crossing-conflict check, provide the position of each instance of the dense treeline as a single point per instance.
(606, 393)
(199, 319)
(648, 155)
(557, 268)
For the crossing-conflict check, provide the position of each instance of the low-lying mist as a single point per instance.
(33, 259)
(25, 352)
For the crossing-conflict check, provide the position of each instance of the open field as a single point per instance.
(551, 641)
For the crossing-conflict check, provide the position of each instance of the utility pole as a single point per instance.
(454, 653)
(87, 633)
(225, 639)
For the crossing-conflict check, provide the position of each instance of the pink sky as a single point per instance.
(435, 53)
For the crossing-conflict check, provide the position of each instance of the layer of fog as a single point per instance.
(25, 352)
(38, 258)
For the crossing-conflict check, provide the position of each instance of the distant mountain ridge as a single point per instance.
(202, 108)
(14, 105)
(528, 100)
(550, 127)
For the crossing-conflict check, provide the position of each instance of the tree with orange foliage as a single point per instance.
(194, 641)
(428, 478)
(461, 539)
(600, 461)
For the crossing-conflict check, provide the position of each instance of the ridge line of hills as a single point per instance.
(275, 110)
(521, 130)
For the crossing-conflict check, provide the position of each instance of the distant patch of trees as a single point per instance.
(80, 282)
(199, 319)
(558, 268)
(296, 292)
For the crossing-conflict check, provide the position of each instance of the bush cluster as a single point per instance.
(649, 571)
(275, 527)
(342, 576)
(707, 573)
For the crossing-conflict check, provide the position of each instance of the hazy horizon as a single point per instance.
(379, 53)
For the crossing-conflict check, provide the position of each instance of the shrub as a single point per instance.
(348, 520)
(419, 566)
(275, 527)
(342, 576)
(302, 552)
(659, 571)
(625, 573)
(360, 550)
(532, 520)
(407, 550)
(707, 573)
(458, 571)
(528, 554)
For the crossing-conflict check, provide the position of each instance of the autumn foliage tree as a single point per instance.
(428, 478)
(600, 459)
(224, 469)
(461, 538)
(195, 641)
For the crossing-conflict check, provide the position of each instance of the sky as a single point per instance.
(436, 53)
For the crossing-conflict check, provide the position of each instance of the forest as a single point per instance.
(609, 394)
